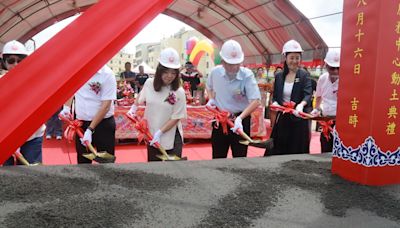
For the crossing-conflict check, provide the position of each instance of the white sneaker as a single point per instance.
(59, 137)
(48, 137)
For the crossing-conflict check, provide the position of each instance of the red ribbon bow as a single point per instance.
(326, 128)
(74, 127)
(221, 117)
(142, 128)
(288, 107)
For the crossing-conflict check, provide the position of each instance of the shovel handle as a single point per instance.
(80, 134)
(21, 158)
(161, 149)
(240, 131)
(148, 136)
(91, 148)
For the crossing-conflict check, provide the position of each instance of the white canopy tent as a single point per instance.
(147, 69)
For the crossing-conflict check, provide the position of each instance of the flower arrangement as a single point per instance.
(171, 98)
(125, 94)
(125, 90)
(201, 86)
(95, 87)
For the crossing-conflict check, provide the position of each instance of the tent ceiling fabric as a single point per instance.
(261, 26)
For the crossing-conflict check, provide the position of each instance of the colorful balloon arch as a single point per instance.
(200, 48)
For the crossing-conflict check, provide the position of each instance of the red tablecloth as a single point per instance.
(197, 125)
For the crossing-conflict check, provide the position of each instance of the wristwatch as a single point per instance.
(91, 129)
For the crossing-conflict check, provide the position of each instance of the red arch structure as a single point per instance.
(56, 70)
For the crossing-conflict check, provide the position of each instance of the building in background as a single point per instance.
(117, 63)
(150, 52)
(142, 52)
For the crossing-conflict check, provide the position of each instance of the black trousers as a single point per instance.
(103, 139)
(221, 142)
(326, 145)
(152, 152)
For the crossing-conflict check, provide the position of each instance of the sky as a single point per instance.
(329, 27)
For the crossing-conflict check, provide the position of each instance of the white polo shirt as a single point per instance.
(158, 111)
(328, 93)
(233, 95)
(101, 87)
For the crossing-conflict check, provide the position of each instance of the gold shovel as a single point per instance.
(164, 156)
(269, 143)
(23, 160)
(100, 157)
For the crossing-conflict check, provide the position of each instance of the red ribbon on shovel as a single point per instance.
(144, 134)
(222, 117)
(326, 128)
(288, 107)
(74, 127)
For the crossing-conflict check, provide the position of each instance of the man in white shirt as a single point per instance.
(234, 89)
(326, 94)
(94, 106)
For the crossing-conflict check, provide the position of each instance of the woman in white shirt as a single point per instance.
(165, 103)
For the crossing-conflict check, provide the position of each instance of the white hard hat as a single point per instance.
(291, 46)
(14, 48)
(169, 58)
(231, 52)
(332, 58)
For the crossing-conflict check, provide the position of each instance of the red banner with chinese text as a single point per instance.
(366, 147)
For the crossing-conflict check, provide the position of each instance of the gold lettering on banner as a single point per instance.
(398, 9)
(395, 78)
(353, 120)
(391, 128)
(398, 44)
(359, 34)
(396, 62)
(360, 18)
(392, 113)
(354, 104)
(397, 29)
(358, 53)
(394, 96)
(361, 2)
(357, 68)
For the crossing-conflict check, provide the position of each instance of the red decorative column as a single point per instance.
(367, 140)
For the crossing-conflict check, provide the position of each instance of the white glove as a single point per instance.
(66, 112)
(132, 111)
(238, 125)
(156, 137)
(300, 107)
(87, 137)
(315, 112)
(275, 103)
(211, 103)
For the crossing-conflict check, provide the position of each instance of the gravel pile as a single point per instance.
(281, 191)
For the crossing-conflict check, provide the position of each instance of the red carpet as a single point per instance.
(60, 152)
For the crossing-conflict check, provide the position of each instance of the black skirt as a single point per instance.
(291, 135)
